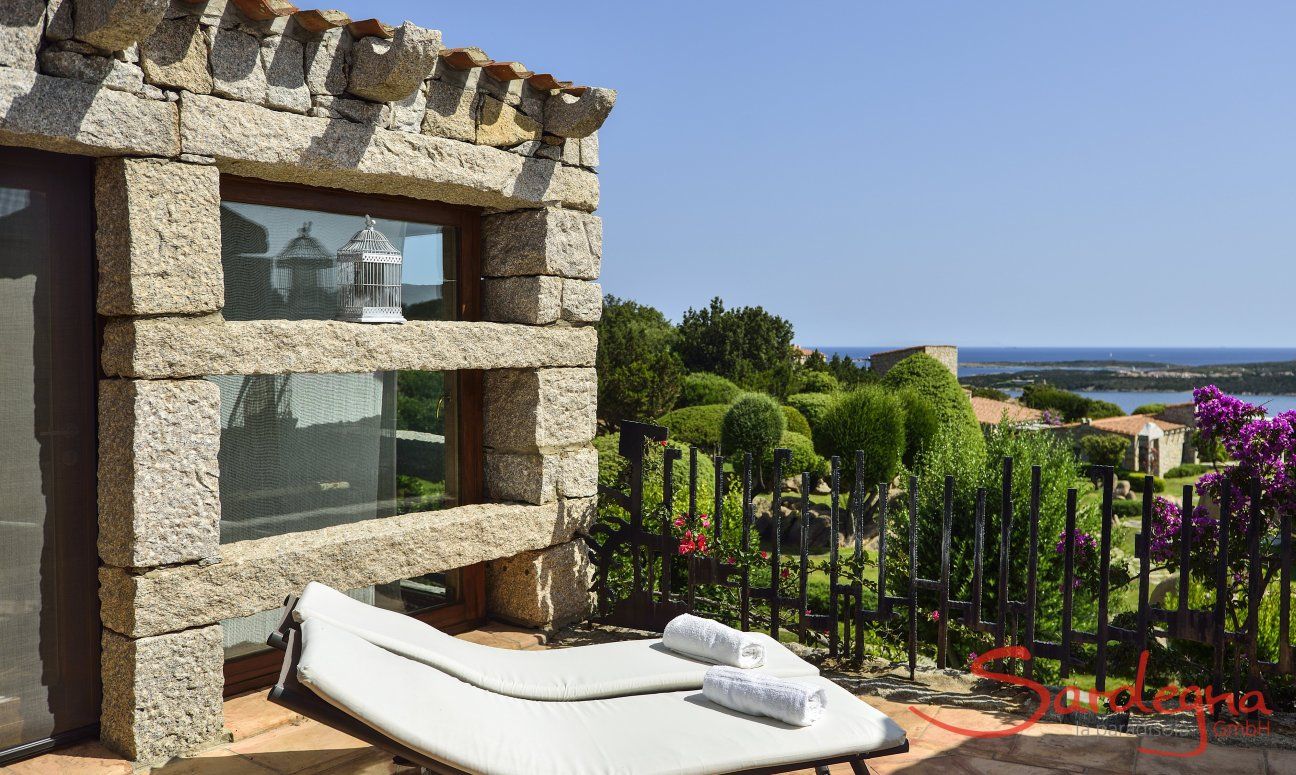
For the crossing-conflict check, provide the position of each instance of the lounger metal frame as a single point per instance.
(292, 694)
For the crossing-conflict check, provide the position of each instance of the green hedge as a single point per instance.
(1137, 479)
(704, 389)
(817, 382)
(696, 425)
(930, 379)
(795, 421)
(1188, 469)
(1131, 508)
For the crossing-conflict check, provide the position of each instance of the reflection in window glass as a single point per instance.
(281, 263)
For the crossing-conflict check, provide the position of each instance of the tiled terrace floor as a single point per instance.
(269, 740)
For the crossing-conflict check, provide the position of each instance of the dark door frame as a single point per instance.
(259, 670)
(71, 438)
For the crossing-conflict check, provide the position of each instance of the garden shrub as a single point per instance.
(931, 380)
(1073, 406)
(795, 421)
(817, 382)
(704, 388)
(1105, 449)
(639, 372)
(1137, 481)
(804, 458)
(812, 406)
(1188, 469)
(753, 423)
(1127, 508)
(989, 392)
(921, 423)
(1153, 408)
(869, 418)
(1101, 409)
(696, 425)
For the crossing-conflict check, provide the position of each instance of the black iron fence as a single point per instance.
(656, 582)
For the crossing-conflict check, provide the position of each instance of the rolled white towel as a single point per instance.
(758, 694)
(713, 642)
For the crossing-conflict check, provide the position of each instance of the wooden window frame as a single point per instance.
(259, 670)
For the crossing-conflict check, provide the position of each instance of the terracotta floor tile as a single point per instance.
(939, 740)
(899, 712)
(980, 766)
(914, 763)
(1215, 760)
(304, 747)
(219, 761)
(88, 758)
(1280, 762)
(372, 762)
(1059, 745)
(252, 713)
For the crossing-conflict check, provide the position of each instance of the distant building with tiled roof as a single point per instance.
(990, 411)
(1156, 445)
(884, 361)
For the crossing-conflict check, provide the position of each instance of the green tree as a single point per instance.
(754, 423)
(849, 373)
(988, 392)
(639, 373)
(927, 377)
(1105, 449)
(869, 418)
(702, 388)
(747, 345)
(1072, 406)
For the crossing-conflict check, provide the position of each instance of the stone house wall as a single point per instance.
(885, 361)
(1172, 447)
(170, 95)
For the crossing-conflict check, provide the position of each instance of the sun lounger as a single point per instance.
(450, 727)
(579, 673)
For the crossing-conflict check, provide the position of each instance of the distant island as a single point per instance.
(1277, 377)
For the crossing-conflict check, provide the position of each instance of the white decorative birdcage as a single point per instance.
(369, 278)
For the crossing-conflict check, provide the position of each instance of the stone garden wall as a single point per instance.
(171, 95)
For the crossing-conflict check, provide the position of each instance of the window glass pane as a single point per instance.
(281, 263)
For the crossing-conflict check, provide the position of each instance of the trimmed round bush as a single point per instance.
(869, 418)
(704, 389)
(1188, 469)
(804, 458)
(795, 421)
(817, 382)
(696, 425)
(753, 423)
(812, 406)
(930, 379)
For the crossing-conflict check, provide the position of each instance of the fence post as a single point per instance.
(973, 617)
(776, 522)
(833, 570)
(1221, 589)
(1032, 568)
(913, 576)
(1255, 587)
(942, 609)
(1068, 580)
(668, 498)
(804, 567)
(1005, 548)
(1104, 576)
(747, 517)
(691, 560)
(1144, 547)
(1185, 538)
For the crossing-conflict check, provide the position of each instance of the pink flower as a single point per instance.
(701, 542)
(706, 522)
(764, 555)
(934, 616)
(687, 546)
(678, 522)
(729, 560)
(809, 612)
(972, 655)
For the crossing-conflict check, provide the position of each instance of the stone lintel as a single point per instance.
(70, 116)
(259, 142)
(159, 492)
(256, 575)
(158, 238)
(172, 347)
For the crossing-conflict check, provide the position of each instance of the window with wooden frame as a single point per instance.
(306, 451)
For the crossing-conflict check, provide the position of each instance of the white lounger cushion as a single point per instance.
(580, 673)
(485, 733)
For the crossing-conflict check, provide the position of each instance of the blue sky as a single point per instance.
(1008, 173)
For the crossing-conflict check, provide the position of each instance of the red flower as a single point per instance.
(934, 616)
(686, 546)
(785, 573)
(809, 612)
(662, 442)
(764, 555)
(701, 542)
(729, 560)
(678, 522)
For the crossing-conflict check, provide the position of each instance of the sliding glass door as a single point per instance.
(49, 623)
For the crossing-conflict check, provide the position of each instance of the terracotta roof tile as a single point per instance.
(990, 412)
(1131, 425)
